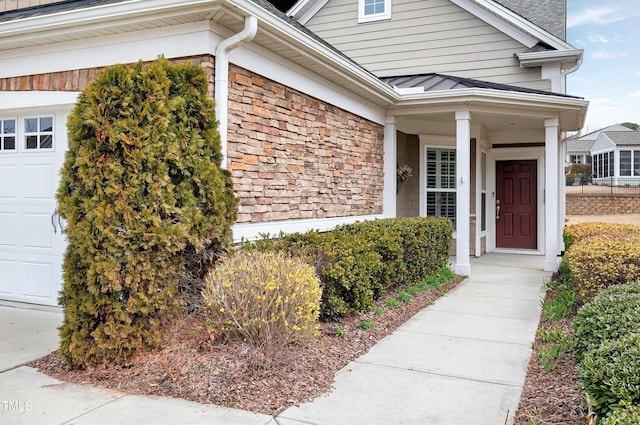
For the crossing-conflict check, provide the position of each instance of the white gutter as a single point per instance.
(532, 59)
(221, 87)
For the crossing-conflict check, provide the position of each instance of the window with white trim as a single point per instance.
(602, 165)
(629, 163)
(373, 10)
(38, 133)
(441, 183)
(7, 135)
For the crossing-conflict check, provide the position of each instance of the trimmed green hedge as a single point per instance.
(604, 260)
(607, 344)
(576, 232)
(358, 262)
(611, 374)
(629, 415)
(612, 314)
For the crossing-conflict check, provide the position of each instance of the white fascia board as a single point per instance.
(297, 7)
(98, 14)
(516, 26)
(529, 104)
(315, 8)
(254, 231)
(489, 95)
(13, 100)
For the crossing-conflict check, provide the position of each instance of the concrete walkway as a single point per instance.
(461, 361)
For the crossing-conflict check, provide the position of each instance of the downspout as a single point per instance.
(221, 81)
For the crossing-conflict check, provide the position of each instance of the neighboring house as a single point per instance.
(579, 147)
(616, 158)
(316, 110)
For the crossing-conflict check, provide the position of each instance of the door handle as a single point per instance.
(53, 222)
(497, 210)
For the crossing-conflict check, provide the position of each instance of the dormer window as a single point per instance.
(373, 10)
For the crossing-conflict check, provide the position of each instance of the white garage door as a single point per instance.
(32, 146)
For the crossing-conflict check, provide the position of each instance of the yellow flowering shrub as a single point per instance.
(600, 261)
(264, 298)
(575, 232)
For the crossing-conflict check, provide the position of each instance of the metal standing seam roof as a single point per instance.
(437, 82)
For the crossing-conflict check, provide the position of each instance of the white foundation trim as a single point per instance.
(253, 231)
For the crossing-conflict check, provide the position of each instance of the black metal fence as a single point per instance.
(609, 186)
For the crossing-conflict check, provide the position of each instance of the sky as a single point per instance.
(609, 33)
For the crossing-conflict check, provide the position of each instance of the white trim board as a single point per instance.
(13, 100)
(252, 231)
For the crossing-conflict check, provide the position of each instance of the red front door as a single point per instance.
(516, 204)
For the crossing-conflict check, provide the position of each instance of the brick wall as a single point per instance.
(602, 205)
(293, 156)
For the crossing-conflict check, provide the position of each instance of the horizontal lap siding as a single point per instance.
(294, 157)
(7, 5)
(427, 36)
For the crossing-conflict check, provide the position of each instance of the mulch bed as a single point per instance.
(192, 366)
(552, 398)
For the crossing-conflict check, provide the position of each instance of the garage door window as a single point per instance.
(8, 135)
(38, 133)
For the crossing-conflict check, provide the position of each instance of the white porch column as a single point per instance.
(390, 163)
(562, 194)
(463, 191)
(551, 208)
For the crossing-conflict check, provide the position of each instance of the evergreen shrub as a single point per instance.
(604, 260)
(576, 232)
(144, 196)
(263, 298)
(610, 374)
(629, 415)
(612, 314)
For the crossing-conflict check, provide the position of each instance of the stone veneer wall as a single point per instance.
(293, 156)
(602, 205)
